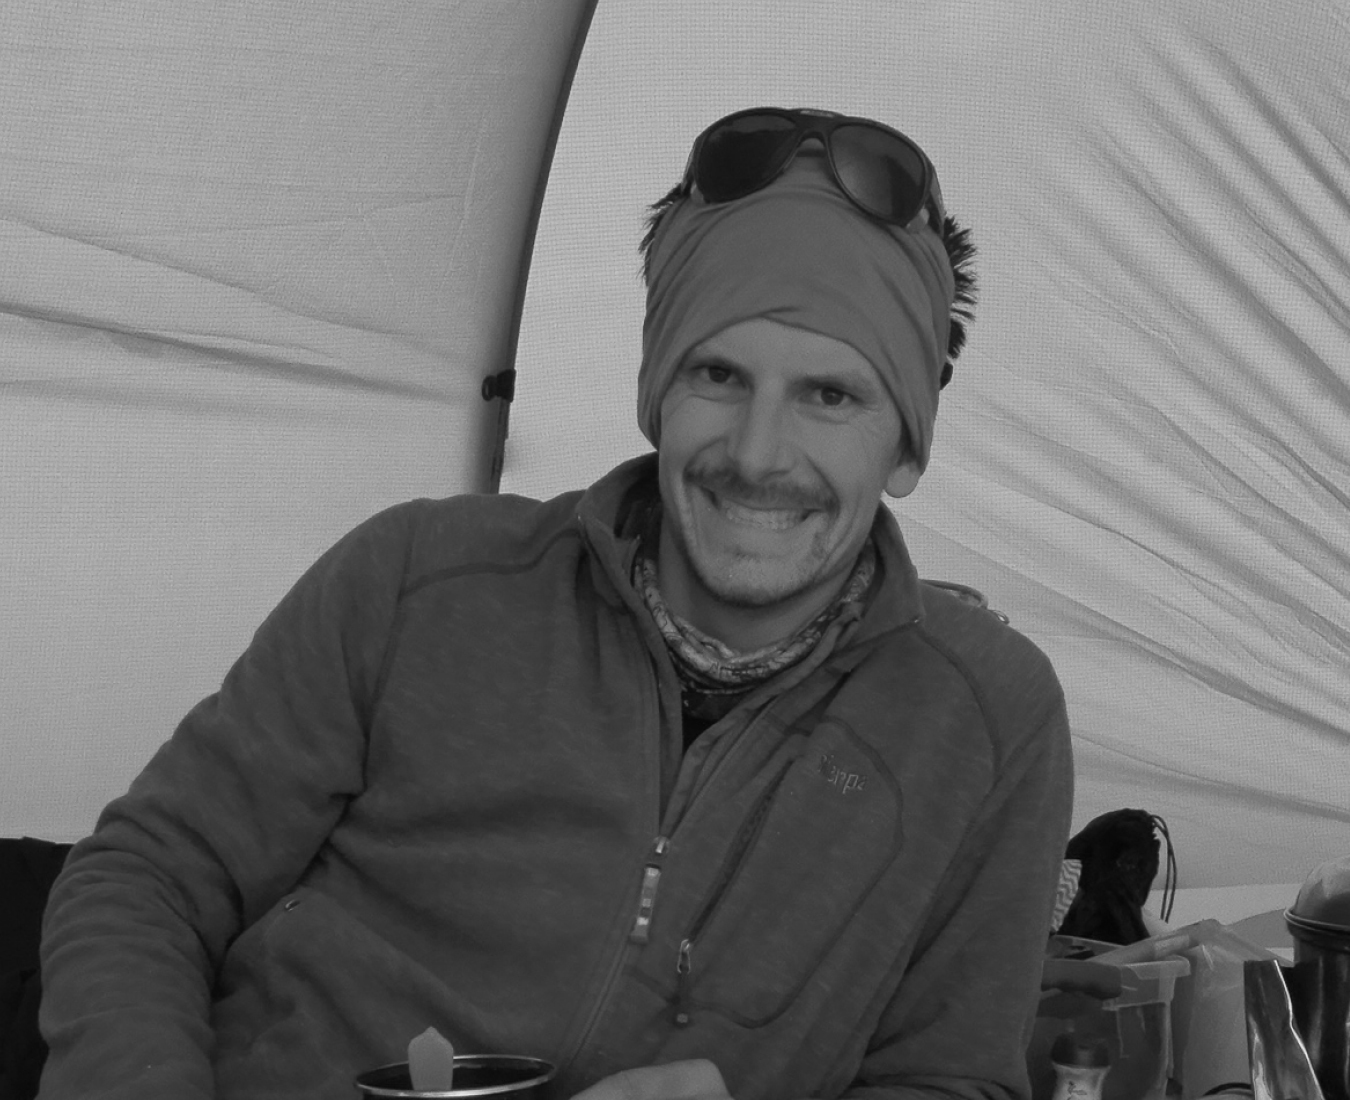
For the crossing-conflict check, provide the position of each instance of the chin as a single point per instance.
(750, 584)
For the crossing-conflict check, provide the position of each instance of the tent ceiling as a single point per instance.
(259, 258)
(1142, 458)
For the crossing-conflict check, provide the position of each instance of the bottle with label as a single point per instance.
(1081, 1065)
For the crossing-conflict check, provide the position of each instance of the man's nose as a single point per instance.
(759, 443)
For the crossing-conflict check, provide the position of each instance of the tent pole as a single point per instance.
(498, 387)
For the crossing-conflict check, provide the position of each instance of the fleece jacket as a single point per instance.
(445, 786)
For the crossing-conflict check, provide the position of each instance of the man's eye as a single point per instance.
(833, 398)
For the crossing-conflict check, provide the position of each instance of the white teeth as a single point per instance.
(757, 517)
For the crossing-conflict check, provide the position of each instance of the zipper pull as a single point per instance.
(651, 879)
(683, 981)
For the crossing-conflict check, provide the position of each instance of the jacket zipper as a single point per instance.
(647, 898)
(745, 841)
(639, 933)
(651, 880)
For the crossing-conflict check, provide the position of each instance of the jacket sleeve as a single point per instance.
(960, 1021)
(220, 823)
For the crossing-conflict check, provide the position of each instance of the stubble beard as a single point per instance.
(751, 581)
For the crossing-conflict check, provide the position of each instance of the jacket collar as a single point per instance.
(607, 514)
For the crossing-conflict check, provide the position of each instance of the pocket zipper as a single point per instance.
(745, 841)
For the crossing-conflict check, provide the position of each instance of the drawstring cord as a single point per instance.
(1170, 875)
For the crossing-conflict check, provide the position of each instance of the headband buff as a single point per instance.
(799, 252)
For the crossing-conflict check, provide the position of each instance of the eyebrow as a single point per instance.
(700, 354)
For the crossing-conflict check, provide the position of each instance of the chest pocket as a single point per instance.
(777, 880)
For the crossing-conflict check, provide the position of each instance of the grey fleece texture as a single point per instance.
(429, 791)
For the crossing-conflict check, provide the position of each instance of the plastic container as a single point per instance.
(1135, 1023)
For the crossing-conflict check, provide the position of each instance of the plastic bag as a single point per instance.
(1209, 1021)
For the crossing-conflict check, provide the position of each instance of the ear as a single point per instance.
(904, 478)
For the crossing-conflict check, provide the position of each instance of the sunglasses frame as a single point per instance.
(811, 122)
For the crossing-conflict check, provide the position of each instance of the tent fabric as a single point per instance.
(259, 259)
(1142, 458)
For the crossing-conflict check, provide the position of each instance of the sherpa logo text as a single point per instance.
(845, 781)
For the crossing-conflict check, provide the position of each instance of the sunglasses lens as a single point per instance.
(742, 155)
(885, 175)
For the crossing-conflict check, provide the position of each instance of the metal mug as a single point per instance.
(1319, 982)
(508, 1076)
(1319, 987)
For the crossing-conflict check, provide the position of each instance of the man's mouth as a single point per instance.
(766, 519)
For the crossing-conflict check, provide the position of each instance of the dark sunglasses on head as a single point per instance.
(881, 171)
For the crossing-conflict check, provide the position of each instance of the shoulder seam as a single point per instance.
(493, 567)
(436, 577)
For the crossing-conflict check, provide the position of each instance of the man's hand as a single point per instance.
(694, 1079)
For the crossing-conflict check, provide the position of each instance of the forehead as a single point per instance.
(762, 344)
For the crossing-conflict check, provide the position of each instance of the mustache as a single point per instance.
(772, 494)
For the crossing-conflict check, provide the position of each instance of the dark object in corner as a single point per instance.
(28, 867)
(1119, 852)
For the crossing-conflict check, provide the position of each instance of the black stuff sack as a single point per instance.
(1120, 854)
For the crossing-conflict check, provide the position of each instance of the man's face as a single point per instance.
(776, 445)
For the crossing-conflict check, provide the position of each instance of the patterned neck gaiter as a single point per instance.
(709, 667)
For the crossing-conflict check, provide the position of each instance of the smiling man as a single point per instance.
(685, 782)
(776, 445)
